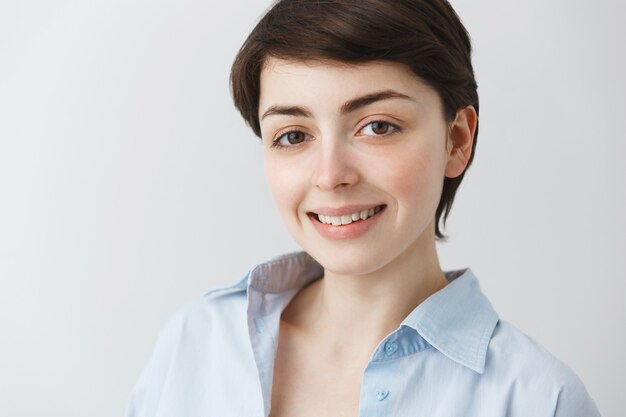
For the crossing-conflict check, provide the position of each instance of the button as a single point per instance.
(390, 348)
(381, 394)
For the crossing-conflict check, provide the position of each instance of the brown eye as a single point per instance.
(378, 128)
(290, 139)
(295, 137)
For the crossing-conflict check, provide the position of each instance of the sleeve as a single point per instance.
(147, 393)
(574, 400)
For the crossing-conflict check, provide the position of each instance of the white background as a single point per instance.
(129, 185)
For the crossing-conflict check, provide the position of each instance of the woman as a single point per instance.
(368, 113)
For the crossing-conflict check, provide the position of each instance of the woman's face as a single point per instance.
(355, 157)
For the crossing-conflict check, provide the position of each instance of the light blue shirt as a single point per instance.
(450, 357)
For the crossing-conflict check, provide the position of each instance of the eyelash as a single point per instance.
(395, 128)
(276, 142)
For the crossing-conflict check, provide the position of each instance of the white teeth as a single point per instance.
(348, 218)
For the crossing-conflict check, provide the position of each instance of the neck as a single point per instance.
(365, 308)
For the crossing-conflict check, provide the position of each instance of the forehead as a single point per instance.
(322, 81)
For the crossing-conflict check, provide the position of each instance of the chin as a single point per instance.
(349, 260)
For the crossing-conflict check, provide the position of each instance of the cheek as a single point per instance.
(285, 184)
(416, 178)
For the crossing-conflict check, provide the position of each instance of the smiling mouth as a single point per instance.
(345, 219)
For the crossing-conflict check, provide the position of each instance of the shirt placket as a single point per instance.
(378, 387)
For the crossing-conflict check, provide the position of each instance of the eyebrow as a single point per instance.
(347, 107)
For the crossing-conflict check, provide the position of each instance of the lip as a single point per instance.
(347, 231)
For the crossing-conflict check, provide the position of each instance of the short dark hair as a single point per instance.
(425, 35)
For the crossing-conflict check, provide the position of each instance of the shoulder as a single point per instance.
(220, 307)
(529, 371)
(220, 310)
(521, 353)
(186, 346)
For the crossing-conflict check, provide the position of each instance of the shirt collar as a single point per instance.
(278, 275)
(457, 320)
(285, 273)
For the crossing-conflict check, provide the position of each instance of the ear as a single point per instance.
(460, 141)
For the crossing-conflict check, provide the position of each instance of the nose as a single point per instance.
(334, 166)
